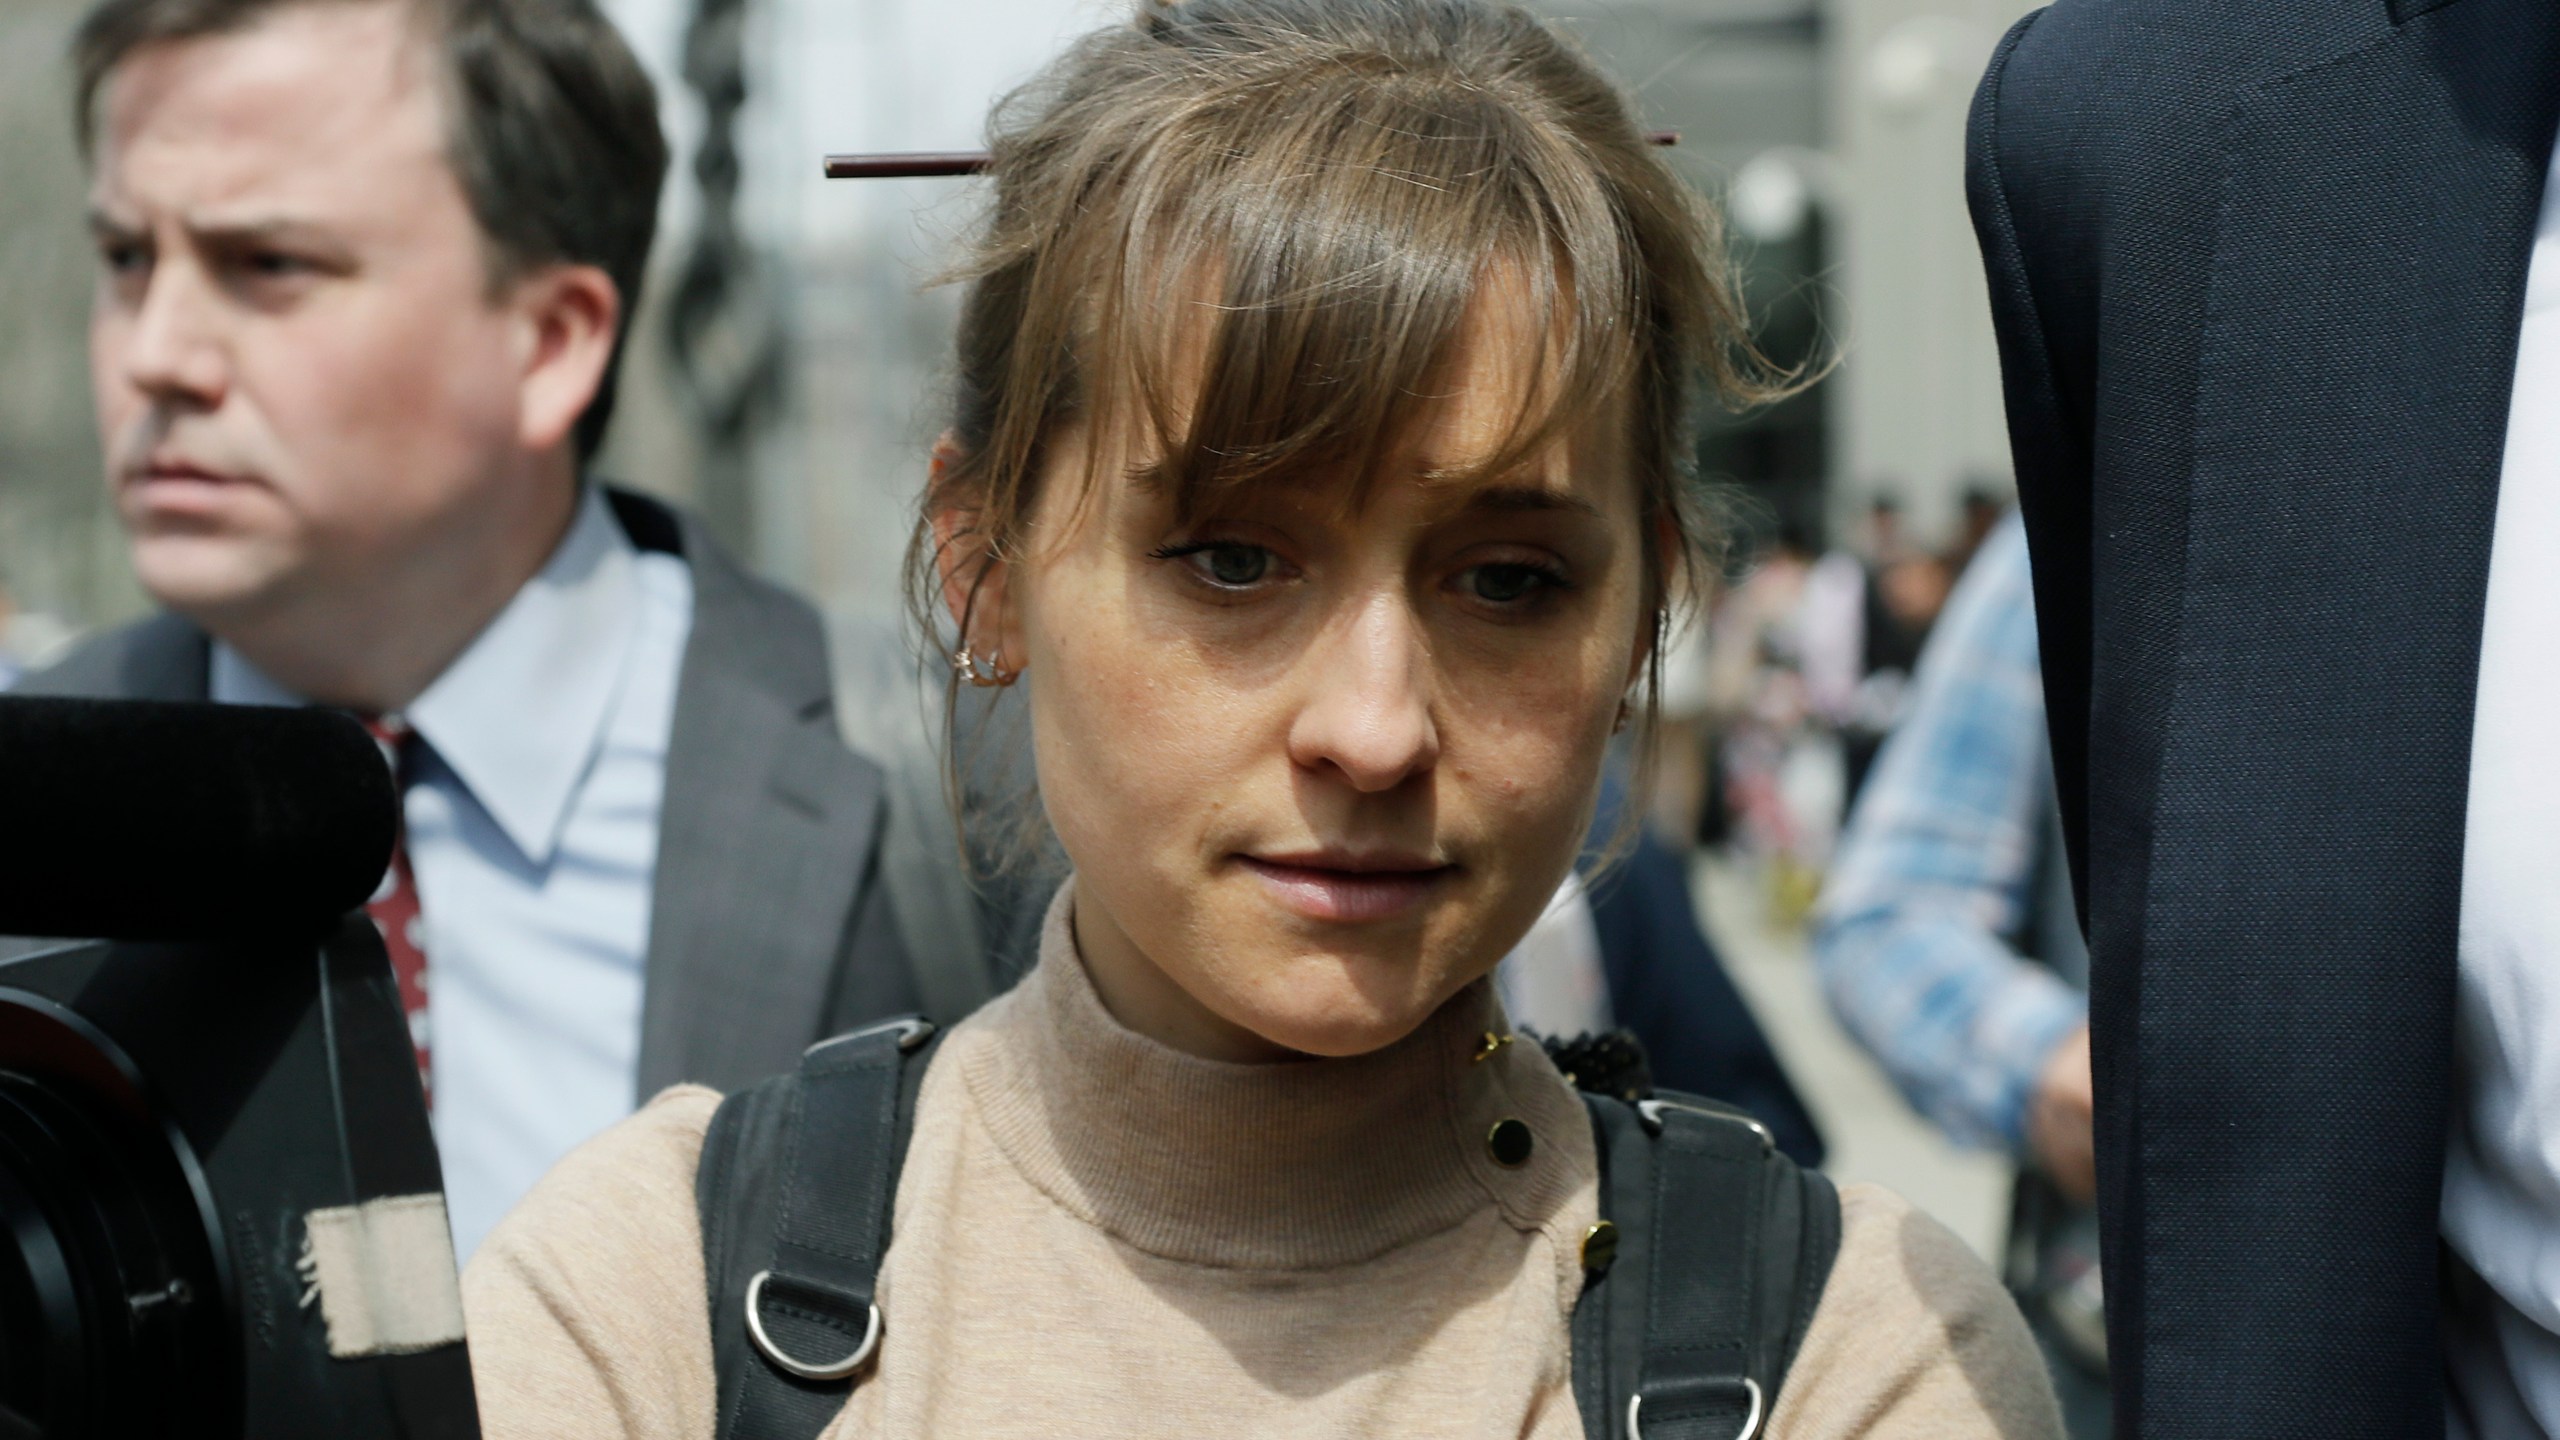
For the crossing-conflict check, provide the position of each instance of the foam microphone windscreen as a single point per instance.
(146, 820)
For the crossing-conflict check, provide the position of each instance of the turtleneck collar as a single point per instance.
(1293, 1165)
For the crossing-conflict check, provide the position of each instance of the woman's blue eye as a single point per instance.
(1237, 564)
(1227, 564)
(1223, 562)
(1507, 584)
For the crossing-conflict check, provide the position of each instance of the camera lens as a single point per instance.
(110, 1317)
(40, 1332)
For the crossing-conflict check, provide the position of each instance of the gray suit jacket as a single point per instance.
(773, 923)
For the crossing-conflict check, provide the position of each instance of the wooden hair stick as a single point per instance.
(926, 163)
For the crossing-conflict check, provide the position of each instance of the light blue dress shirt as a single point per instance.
(1938, 867)
(532, 814)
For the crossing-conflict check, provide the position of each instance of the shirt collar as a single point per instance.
(520, 715)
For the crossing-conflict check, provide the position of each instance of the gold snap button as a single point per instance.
(1510, 1142)
(1599, 1246)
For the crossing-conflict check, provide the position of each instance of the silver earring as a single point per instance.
(987, 672)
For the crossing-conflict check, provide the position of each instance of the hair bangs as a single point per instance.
(1295, 311)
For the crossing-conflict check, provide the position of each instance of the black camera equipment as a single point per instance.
(220, 1209)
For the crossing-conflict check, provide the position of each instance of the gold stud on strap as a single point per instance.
(1599, 1245)
(1490, 1045)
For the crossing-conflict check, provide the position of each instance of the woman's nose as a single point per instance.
(1367, 711)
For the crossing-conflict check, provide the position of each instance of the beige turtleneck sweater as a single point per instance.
(1099, 1236)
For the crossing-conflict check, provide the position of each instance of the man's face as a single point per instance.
(301, 373)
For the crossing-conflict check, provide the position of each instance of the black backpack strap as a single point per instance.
(795, 1189)
(1721, 1249)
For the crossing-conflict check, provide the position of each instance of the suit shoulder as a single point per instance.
(158, 658)
(2124, 60)
(2094, 109)
(750, 629)
(2066, 63)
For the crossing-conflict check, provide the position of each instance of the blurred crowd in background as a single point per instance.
(1781, 697)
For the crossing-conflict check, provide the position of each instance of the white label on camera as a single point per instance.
(383, 1273)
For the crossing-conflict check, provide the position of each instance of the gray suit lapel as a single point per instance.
(161, 658)
(766, 833)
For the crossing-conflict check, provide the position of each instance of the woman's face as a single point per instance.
(1318, 768)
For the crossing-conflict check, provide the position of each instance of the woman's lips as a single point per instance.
(1339, 893)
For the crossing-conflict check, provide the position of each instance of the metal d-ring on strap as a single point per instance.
(822, 1372)
(840, 1143)
(1750, 1422)
(1705, 1369)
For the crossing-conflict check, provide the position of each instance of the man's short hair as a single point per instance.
(552, 128)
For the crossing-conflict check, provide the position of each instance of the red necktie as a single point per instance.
(394, 906)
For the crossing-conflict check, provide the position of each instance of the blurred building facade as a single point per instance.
(1834, 132)
(1919, 409)
(59, 551)
(1832, 128)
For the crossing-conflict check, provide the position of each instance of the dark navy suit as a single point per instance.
(2258, 271)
